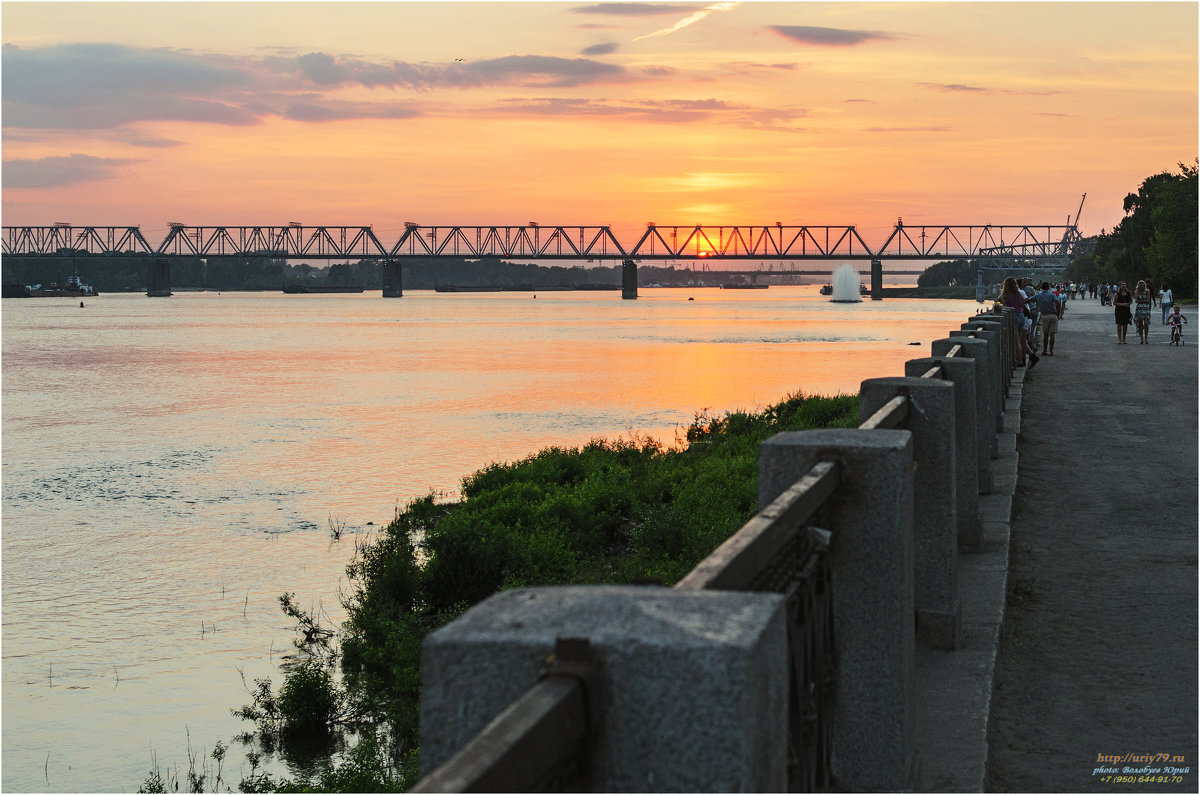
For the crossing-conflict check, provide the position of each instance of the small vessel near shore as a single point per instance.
(72, 288)
(293, 289)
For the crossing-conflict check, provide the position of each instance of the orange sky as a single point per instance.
(590, 113)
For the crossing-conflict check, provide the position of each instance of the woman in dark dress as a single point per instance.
(1121, 303)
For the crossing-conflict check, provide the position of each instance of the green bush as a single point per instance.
(607, 512)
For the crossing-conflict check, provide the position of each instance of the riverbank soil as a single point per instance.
(1098, 655)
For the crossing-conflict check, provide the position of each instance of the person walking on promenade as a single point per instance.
(1048, 304)
(1143, 301)
(1012, 296)
(1121, 303)
(1165, 299)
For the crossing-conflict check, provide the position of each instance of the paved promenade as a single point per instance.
(1098, 650)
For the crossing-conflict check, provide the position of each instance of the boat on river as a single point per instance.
(293, 289)
(73, 288)
(827, 289)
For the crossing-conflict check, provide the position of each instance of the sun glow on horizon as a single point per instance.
(809, 113)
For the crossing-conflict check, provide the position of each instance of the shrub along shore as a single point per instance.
(619, 512)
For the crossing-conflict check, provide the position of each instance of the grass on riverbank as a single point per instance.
(614, 512)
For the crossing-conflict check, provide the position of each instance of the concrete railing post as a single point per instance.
(1000, 324)
(931, 419)
(693, 685)
(993, 335)
(987, 401)
(871, 556)
(960, 373)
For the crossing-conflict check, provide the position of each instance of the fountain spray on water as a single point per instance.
(845, 285)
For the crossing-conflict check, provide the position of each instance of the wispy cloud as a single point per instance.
(666, 111)
(953, 87)
(907, 129)
(109, 87)
(325, 110)
(829, 37)
(322, 69)
(54, 172)
(608, 48)
(635, 9)
(690, 19)
(98, 86)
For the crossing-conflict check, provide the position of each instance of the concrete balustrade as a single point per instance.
(871, 557)
(960, 373)
(694, 684)
(996, 368)
(931, 419)
(988, 400)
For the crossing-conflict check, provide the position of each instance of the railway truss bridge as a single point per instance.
(996, 248)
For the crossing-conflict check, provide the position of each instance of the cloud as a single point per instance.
(608, 48)
(952, 87)
(109, 87)
(98, 86)
(906, 129)
(542, 70)
(342, 111)
(666, 111)
(744, 65)
(326, 71)
(635, 9)
(829, 37)
(690, 20)
(53, 172)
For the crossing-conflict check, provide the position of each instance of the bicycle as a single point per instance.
(1176, 320)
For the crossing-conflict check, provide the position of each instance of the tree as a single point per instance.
(948, 274)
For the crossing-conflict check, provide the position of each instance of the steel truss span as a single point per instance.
(773, 242)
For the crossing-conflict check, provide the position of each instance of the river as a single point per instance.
(171, 466)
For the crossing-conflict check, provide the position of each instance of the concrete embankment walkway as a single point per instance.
(1098, 652)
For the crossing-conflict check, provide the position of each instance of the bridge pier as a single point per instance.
(158, 279)
(876, 280)
(393, 278)
(629, 279)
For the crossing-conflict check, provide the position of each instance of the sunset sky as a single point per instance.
(590, 113)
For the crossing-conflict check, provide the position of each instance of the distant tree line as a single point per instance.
(129, 273)
(1156, 240)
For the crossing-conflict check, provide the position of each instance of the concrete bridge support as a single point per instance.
(158, 279)
(876, 280)
(393, 278)
(629, 279)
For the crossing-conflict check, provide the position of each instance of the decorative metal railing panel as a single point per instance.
(778, 551)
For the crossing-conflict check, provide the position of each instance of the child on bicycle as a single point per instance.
(1175, 320)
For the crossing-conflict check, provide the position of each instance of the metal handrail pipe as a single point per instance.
(744, 555)
(536, 733)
